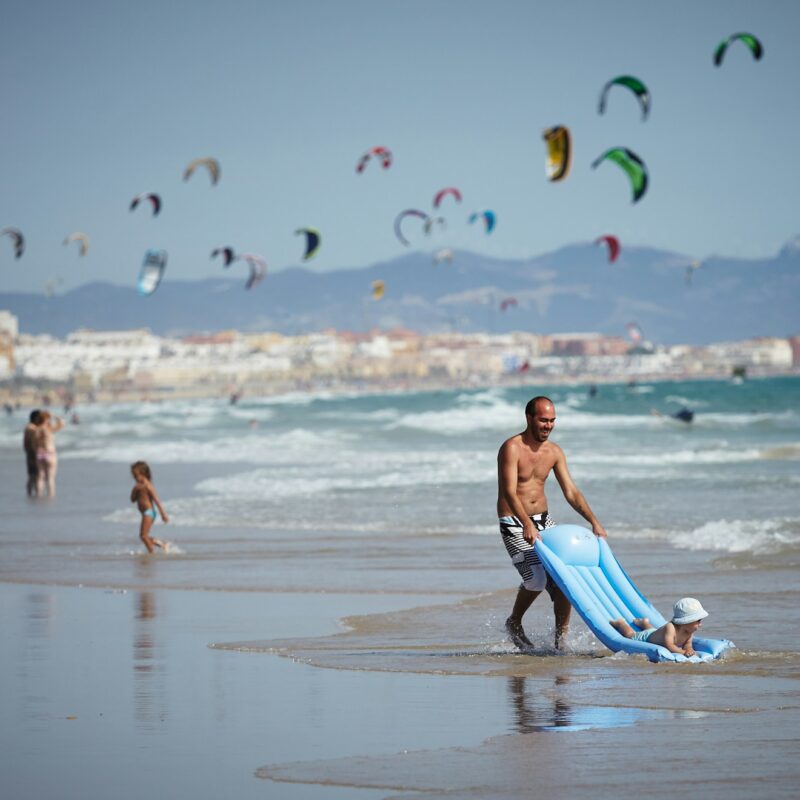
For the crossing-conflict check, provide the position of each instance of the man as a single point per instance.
(523, 465)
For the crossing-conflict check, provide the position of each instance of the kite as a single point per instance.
(153, 266)
(258, 268)
(445, 254)
(690, 270)
(211, 164)
(377, 289)
(312, 241)
(635, 85)
(488, 217)
(383, 153)
(51, 287)
(559, 152)
(633, 165)
(440, 195)
(508, 302)
(634, 332)
(153, 198)
(613, 246)
(83, 248)
(16, 237)
(431, 221)
(755, 46)
(227, 254)
(409, 212)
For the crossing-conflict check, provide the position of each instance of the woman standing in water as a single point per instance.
(46, 456)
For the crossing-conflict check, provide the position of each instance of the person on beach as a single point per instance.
(29, 446)
(675, 635)
(523, 465)
(46, 456)
(146, 499)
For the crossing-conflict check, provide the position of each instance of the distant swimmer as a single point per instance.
(523, 465)
(29, 439)
(675, 635)
(46, 455)
(684, 415)
(593, 390)
(146, 499)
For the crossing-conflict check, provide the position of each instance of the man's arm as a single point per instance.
(574, 496)
(508, 473)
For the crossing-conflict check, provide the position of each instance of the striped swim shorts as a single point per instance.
(523, 553)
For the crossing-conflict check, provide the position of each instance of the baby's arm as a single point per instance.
(669, 642)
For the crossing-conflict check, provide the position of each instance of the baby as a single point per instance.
(675, 635)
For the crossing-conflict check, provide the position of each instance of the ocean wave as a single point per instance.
(677, 457)
(355, 472)
(756, 536)
(253, 447)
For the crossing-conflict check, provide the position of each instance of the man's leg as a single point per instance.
(562, 610)
(525, 598)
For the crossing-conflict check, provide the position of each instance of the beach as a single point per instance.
(330, 620)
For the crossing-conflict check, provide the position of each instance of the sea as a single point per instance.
(382, 504)
(369, 490)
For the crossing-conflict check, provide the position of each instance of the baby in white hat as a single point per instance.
(675, 635)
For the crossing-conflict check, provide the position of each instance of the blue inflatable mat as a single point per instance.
(590, 576)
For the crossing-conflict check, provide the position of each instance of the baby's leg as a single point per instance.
(622, 627)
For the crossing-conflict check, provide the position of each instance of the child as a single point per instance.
(675, 635)
(144, 495)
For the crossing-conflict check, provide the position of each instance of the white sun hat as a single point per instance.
(687, 610)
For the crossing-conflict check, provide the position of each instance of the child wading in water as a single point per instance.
(146, 499)
(675, 635)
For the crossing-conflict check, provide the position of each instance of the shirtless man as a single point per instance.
(523, 465)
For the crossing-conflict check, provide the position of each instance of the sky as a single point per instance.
(105, 100)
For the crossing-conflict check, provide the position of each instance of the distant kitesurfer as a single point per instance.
(684, 415)
(524, 464)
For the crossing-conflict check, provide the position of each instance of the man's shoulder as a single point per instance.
(512, 443)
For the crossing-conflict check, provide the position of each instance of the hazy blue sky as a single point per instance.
(104, 100)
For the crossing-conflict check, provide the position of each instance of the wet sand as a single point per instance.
(124, 692)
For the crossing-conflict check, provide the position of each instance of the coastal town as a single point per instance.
(134, 364)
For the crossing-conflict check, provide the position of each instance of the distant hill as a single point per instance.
(573, 289)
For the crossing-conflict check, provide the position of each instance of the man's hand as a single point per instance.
(530, 533)
(599, 530)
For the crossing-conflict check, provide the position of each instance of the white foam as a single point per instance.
(354, 471)
(685, 401)
(251, 446)
(657, 459)
(758, 536)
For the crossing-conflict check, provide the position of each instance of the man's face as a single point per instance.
(542, 422)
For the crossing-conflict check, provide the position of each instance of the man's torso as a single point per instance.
(534, 464)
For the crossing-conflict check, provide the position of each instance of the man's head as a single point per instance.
(541, 416)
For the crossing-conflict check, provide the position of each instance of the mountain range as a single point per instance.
(573, 289)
